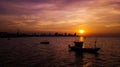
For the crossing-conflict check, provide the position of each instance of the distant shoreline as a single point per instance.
(9, 35)
(38, 36)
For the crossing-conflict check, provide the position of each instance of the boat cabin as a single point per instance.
(78, 44)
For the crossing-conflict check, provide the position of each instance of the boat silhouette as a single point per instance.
(78, 47)
(45, 42)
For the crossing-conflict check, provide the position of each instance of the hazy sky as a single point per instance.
(95, 16)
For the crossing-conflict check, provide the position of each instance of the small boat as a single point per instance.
(78, 47)
(45, 42)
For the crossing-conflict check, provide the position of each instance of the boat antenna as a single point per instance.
(95, 43)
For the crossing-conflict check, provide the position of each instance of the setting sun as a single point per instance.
(81, 31)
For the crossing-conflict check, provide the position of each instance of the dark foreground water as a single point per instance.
(28, 52)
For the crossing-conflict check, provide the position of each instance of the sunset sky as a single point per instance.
(96, 17)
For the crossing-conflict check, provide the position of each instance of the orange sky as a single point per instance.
(96, 17)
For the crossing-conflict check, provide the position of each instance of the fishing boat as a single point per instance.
(78, 47)
(44, 42)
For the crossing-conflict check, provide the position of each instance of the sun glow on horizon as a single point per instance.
(81, 31)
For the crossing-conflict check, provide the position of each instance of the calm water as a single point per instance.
(28, 52)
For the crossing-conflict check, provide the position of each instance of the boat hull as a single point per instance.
(89, 50)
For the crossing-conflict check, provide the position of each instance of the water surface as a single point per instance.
(28, 52)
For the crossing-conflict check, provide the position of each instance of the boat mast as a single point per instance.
(95, 43)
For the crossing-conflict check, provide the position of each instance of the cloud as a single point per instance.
(113, 25)
(19, 7)
(59, 13)
(6, 22)
(27, 1)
